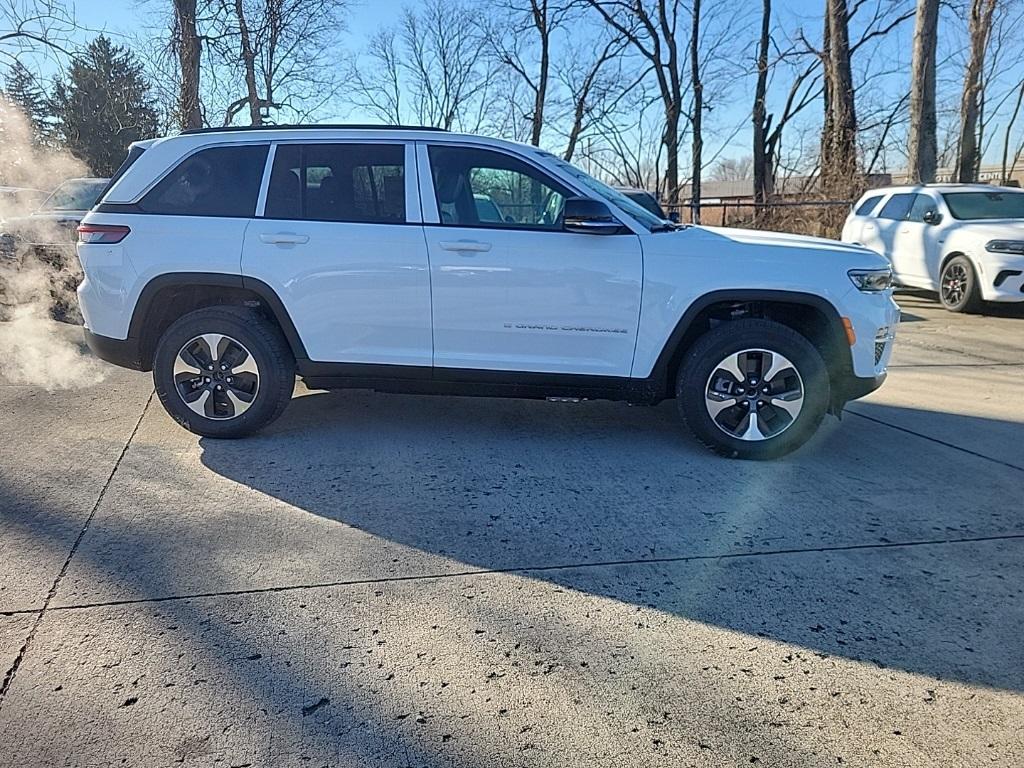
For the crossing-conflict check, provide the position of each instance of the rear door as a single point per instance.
(516, 292)
(338, 239)
(888, 222)
(915, 241)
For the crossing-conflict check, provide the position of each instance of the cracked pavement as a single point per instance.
(383, 580)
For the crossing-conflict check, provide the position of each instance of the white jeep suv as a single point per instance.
(964, 241)
(228, 261)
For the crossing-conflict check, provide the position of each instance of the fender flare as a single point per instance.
(671, 347)
(266, 295)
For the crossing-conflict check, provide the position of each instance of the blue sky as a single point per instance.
(891, 55)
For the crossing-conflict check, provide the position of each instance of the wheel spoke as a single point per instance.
(716, 406)
(753, 430)
(238, 405)
(731, 365)
(791, 402)
(186, 362)
(198, 404)
(212, 341)
(779, 364)
(248, 365)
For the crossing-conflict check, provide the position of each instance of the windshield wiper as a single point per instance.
(668, 226)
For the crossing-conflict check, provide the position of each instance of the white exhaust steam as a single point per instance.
(35, 349)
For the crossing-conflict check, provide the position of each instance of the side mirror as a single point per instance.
(932, 217)
(592, 217)
(674, 217)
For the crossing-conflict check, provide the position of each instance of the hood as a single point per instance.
(990, 229)
(787, 240)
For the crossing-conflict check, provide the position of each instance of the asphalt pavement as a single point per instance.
(385, 580)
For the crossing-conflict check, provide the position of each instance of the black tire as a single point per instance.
(958, 286)
(783, 433)
(248, 334)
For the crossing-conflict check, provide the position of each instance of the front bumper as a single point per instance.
(854, 388)
(126, 353)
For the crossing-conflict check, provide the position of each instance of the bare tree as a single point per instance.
(922, 142)
(653, 33)
(521, 40)
(432, 69)
(188, 50)
(270, 56)
(733, 169)
(34, 26)
(979, 27)
(762, 168)
(596, 85)
(697, 117)
(839, 133)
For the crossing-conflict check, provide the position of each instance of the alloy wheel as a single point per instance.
(755, 394)
(954, 284)
(216, 376)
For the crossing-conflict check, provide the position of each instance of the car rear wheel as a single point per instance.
(958, 286)
(753, 389)
(223, 372)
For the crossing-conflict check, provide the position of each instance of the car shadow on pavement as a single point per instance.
(844, 551)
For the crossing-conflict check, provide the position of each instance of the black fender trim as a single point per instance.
(660, 372)
(266, 295)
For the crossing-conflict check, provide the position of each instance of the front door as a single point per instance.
(336, 245)
(512, 290)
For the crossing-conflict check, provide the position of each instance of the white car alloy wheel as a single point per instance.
(216, 376)
(754, 394)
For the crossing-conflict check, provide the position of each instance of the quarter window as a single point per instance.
(897, 208)
(867, 206)
(362, 183)
(219, 181)
(479, 187)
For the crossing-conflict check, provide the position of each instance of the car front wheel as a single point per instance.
(223, 371)
(958, 286)
(753, 389)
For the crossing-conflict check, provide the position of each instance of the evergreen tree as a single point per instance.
(103, 104)
(23, 91)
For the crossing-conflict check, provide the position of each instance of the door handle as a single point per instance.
(284, 238)
(465, 245)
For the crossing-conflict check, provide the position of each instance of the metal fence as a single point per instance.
(809, 217)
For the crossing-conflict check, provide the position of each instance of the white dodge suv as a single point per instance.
(228, 261)
(964, 241)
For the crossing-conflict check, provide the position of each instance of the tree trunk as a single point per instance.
(249, 61)
(839, 137)
(698, 109)
(189, 51)
(762, 168)
(671, 141)
(540, 20)
(922, 142)
(979, 26)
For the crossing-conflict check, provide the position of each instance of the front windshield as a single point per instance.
(609, 194)
(985, 205)
(74, 195)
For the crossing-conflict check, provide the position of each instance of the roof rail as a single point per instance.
(311, 126)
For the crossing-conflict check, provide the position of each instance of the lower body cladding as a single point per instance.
(424, 380)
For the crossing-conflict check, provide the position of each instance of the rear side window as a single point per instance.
(133, 154)
(867, 206)
(359, 183)
(897, 208)
(219, 181)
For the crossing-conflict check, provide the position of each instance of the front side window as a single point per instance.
(898, 207)
(479, 187)
(75, 195)
(358, 183)
(219, 181)
(922, 204)
(985, 205)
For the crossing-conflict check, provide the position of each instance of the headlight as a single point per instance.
(1005, 246)
(871, 280)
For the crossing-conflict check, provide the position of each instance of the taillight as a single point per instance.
(103, 234)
